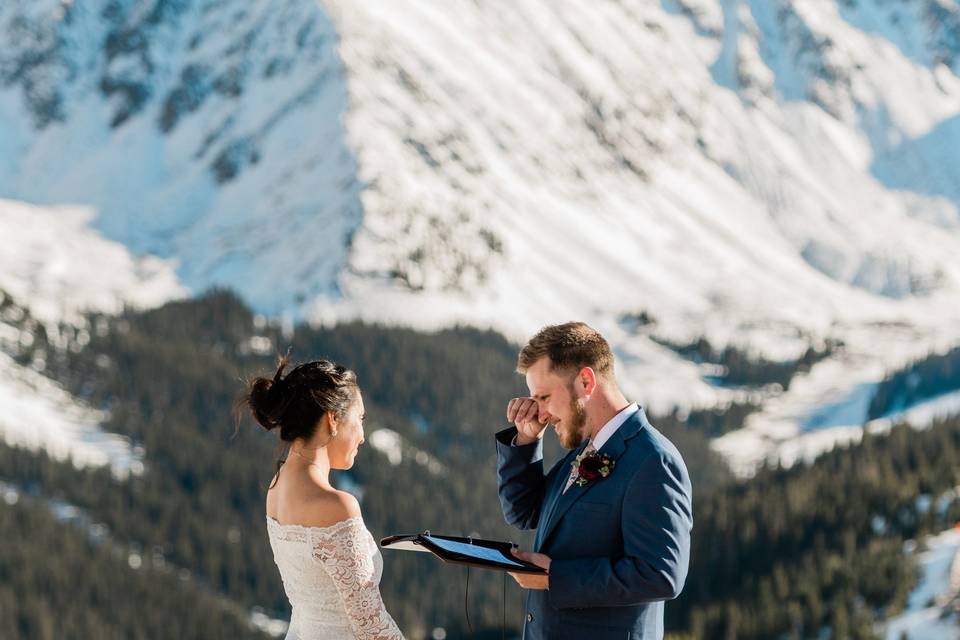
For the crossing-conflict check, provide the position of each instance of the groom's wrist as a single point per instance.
(520, 441)
(512, 437)
(511, 448)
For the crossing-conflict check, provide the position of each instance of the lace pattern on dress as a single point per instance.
(288, 533)
(347, 551)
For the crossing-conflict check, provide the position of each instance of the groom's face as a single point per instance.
(558, 402)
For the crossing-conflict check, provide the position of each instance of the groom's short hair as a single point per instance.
(570, 347)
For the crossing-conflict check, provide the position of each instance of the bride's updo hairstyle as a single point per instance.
(295, 403)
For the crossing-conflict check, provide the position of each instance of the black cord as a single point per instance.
(466, 594)
(503, 628)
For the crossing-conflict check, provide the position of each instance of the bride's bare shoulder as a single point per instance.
(327, 508)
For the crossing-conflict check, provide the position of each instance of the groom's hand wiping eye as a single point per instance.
(524, 413)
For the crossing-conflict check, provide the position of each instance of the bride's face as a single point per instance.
(343, 449)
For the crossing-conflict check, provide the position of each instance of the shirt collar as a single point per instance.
(613, 424)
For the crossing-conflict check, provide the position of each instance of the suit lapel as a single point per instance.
(554, 494)
(614, 447)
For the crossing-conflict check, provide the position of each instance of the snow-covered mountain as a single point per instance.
(769, 173)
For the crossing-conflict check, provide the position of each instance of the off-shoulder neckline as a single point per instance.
(335, 525)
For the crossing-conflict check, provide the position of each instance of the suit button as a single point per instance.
(529, 617)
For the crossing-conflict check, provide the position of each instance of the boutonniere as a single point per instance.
(590, 466)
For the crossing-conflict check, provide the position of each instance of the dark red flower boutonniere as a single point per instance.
(590, 466)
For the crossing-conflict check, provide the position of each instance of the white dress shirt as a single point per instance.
(613, 424)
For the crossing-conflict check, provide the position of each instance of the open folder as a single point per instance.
(473, 552)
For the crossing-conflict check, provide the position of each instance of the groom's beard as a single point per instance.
(571, 432)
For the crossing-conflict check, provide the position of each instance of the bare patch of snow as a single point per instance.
(395, 448)
(55, 264)
(924, 617)
(39, 414)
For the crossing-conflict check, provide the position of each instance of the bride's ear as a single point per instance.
(332, 423)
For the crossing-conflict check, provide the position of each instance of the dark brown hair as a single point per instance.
(295, 403)
(570, 347)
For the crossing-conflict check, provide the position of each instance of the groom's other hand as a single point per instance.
(524, 413)
(532, 580)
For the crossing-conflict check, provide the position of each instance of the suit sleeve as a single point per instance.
(656, 523)
(520, 479)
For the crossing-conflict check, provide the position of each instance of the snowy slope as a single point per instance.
(53, 261)
(790, 439)
(769, 173)
(168, 105)
(39, 414)
(924, 617)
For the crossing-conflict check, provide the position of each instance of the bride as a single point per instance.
(329, 562)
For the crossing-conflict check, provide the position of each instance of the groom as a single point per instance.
(613, 517)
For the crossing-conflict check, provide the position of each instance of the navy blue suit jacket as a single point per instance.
(619, 546)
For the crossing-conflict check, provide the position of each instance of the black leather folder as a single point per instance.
(473, 552)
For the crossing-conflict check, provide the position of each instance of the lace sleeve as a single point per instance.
(347, 552)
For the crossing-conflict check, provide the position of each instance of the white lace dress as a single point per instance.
(332, 579)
